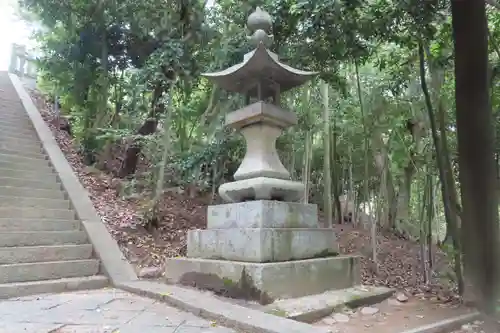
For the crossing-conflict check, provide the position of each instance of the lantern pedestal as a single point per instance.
(261, 175)
(269, 248)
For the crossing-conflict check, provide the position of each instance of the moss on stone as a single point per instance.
(292, 219)
(228, 282)
(224, 286)
(248, 287)
(278, 313)
(323, 254)
(326, 253)
(354, 298)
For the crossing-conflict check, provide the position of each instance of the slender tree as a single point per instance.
(476, 150)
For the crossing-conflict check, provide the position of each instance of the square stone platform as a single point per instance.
(264, 250)
(262, 214)
(261, 245)
(262, 231)
(266, 282)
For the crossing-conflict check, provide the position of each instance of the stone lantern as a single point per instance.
(262, 77)
(263, 241)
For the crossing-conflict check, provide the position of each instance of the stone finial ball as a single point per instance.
(260, 35)
(259, 19)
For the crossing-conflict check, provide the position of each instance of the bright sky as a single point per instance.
(12, 30)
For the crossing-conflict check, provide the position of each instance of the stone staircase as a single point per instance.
(43, 247)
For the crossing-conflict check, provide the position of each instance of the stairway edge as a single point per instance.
(20, 289)
(113, 261)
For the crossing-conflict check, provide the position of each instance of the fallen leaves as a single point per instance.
(399, 264)
(121, 216)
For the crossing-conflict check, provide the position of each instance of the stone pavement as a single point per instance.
(98, 311)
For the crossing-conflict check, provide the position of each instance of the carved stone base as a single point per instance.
(262, 214)
(261, 244)
(262, 188)
(265, 282)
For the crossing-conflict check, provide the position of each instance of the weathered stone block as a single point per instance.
(259, 112)
(265, 282)
(262, 188)
(312, 308)
(262, 214)
(261, 245)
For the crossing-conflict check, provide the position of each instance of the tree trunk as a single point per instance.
(154, 218)
(327, 173)
(424, 201)
(106, 154)
(382, 163)
(306, 173)
(448, 170)
(351, 197)
(404, 197)
(416, 128)
(476, 151)
(129, 163)
(430, 217)
(373, 237)
(451, 218)
(366, 195)
(336, 179)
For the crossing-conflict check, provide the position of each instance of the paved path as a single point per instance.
(98, 311)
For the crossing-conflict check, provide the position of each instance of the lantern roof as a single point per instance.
(260, 75)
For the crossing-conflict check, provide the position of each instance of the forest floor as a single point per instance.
(399, 264)
(392, 316)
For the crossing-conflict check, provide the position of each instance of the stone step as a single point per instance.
(13, 133)
(31, 193)
(21, 141)
(23, 153)
(19, 289)
(32, 162)
(20, 202)
(40, 184)
(13, 110)
(24, 122)
(312, 308)
(10, 101)
(34, 146)
(34, 225)
(49, 175)
(42, 168)
(32, 254)
(37, 213)
(11, 105)
(17, 128)
(48, 270)
(19, 144)
(15, 117)
(39, 238)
